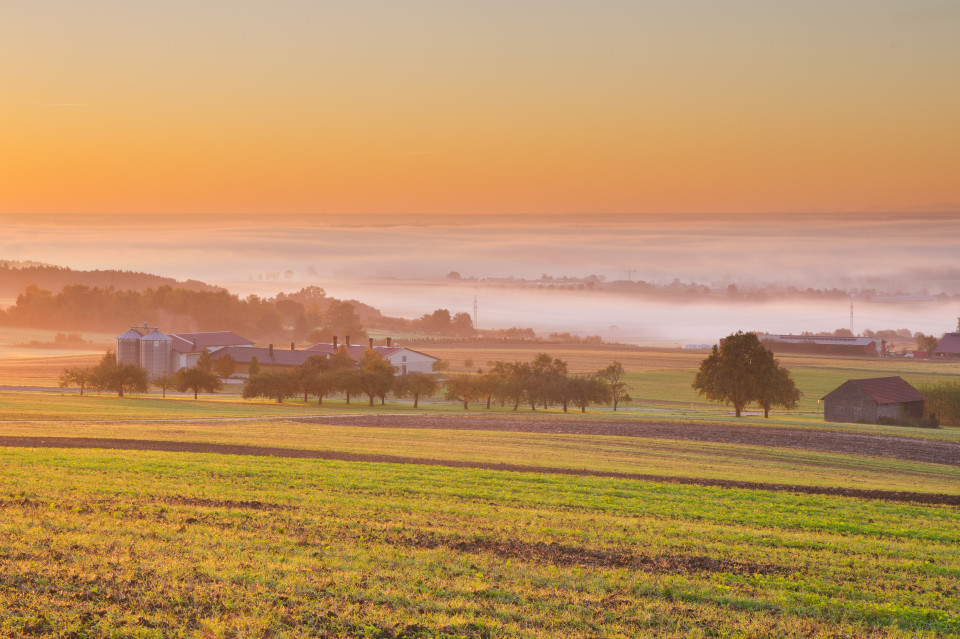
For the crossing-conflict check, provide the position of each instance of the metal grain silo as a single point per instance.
(128, 348)
(155, 353)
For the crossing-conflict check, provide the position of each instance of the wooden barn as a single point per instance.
(869, 400)
(948, 346)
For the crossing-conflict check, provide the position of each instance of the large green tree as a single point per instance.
(463, 388)
(742, 370)
(613, 376)
(278, 385)
(111, 375)
(416, 385)
(777, 389)
(197, 380)
(376, 375)
(584, 390)
(79, 377)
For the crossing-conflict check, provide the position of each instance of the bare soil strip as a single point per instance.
(261, 451)
(564, 555)
(908, 448)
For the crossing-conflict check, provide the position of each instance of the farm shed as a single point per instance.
(187, 347)
(405, 359)
(872, 399)
(825, 345)
(949, 346)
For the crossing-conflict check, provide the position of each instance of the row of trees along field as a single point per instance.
(943, 400)
(110, 375)
(543, 382)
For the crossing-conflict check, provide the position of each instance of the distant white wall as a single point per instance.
(408, 361)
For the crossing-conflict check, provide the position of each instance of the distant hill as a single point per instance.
(17, 276)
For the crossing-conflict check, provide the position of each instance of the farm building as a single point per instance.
(826, 345)
(949, 346)
(406, 360)
(160, 353)
(869, 400)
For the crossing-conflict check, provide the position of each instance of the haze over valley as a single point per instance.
(651, 279)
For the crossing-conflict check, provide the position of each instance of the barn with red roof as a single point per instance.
(869, 400)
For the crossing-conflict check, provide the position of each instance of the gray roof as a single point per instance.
(280, 357)
(155, 336)
(949, 345)
(822, 339)
(882, 390)
(130, 334)
(196, 342)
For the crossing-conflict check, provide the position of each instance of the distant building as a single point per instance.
(949, 346)
(405, 359)
(187, 347)
(825, 345)
(160, 353)
(869, 400)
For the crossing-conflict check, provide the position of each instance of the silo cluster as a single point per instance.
(146, 347)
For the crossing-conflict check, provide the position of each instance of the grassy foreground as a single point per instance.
(156, 545)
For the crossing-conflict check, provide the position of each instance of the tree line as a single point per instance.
(541, 383)
(16, 276)
(110, 375)
(81, 307)
(308, 314)
(943, 400)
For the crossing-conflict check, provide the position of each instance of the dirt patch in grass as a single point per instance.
(565, 555)
(907, 448)
(291, 453)
(223, 503)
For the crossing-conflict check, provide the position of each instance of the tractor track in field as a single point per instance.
(291, 453)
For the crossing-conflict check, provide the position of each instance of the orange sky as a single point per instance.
(496, 107)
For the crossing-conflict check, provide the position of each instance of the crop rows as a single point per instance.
(152, 544)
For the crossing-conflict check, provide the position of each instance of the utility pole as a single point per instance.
(630, 273)
(851, 316)
(475, 314)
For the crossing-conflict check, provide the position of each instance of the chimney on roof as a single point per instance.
(270, 350)
(291, 347)
(335, 342)
(145, 325)
(388, 342)
(371, 343)
(194, 343)
(347, 340)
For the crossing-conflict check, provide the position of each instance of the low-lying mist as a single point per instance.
(888, 254)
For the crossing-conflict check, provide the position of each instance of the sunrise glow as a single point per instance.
(434, 107)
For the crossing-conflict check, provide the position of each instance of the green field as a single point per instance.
(658, 378)
(675, 458)
(158, 545)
